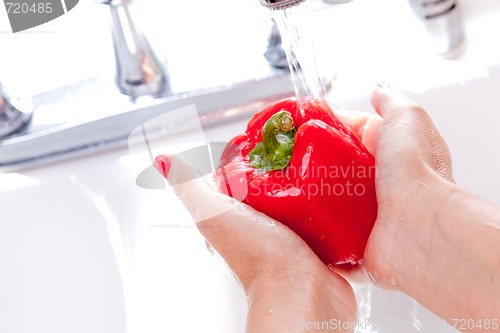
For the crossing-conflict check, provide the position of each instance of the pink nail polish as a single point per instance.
(162, 165)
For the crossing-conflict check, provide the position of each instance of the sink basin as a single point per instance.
(83, 248)
(57, 266)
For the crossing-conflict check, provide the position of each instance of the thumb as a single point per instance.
(408, 133)
(386, 100)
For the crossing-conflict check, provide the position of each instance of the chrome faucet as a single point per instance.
(280, 4)
(275, 54)
(283, 4)
(443, 22)
(139, 69)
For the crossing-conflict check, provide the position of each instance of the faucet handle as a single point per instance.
(443, 22)
(15, 113)
(139, 71)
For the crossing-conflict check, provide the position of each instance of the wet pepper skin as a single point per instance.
(326, 191)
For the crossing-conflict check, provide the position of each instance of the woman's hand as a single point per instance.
(288, 288)
(413, 177)
(432, 240)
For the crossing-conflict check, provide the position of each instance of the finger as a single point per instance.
(403, 120)
(191, 188)
(386, 100)
(249, 241)
(365, 126)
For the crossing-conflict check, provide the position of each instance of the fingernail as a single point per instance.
(383, 85)
(162, 165)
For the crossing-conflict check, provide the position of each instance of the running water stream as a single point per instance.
(295, 25)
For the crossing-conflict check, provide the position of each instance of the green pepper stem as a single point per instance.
(274, 152)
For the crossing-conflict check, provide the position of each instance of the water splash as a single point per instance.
(417, 324)
(363, 294)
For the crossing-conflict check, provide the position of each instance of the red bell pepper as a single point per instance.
(300, 165)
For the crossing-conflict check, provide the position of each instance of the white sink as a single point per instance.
(84, 249)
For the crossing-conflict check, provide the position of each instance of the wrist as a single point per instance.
(452, 253)
(422, 229)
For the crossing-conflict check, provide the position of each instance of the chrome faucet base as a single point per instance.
(115, 117)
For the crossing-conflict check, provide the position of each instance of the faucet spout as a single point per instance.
(139, 71)
(280, 4)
